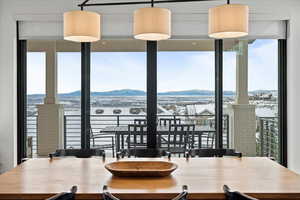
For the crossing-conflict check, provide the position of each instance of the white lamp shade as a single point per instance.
(228, 21)
(82, 26)
(152, 24)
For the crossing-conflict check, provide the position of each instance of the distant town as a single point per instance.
(133, 102)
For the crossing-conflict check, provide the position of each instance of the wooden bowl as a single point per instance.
(141, 168)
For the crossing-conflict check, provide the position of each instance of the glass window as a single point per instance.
(186, 84)
(69, 94)
(36, 83)
(250, 96)
(118, 88)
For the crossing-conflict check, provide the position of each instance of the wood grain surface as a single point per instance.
(258, 177)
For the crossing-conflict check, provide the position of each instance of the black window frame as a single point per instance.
(151, 95)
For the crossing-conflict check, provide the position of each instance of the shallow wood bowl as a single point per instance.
(141, 168)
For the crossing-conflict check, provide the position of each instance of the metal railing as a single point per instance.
(32, 130)
(268, 139)
(72, 128)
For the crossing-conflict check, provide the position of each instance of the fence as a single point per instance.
(268, 140)
(72, 128)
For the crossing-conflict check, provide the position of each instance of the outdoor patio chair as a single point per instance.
(230, 195)
(143, 153)
(140, 121)
(180, 138)
(208, 140)
(108, 196)
(213, 153)
(65, 195)
(79, 153)
(104, 141)
(137, 136)
(169, 121)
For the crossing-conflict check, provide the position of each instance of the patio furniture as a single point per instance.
(140, 121)
(105, 141)
(108, 196)
(208, 140)
(65, 195)
(213, 153)
(121, 134)
(230, 195)
(169, 121)
(80, 153)
(180, 138)
(137, 136)
(143, 153)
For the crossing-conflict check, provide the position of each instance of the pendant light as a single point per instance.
(228, 21)
(152, 24)
(82, 26)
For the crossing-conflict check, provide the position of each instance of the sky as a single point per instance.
(176, 70)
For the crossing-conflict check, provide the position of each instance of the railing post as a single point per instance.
(227, 130)
(267, 138)
(65, 131)
(261, 137)
(118, 120)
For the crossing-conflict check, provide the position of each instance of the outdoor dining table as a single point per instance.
(259, 177)
(122, 131)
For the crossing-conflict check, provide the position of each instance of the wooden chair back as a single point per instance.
(80, 153)
(180, 136)
(235, 195)
(65, 195)
(137, 137)
(140, 121)
(208, 140)
(169, 121)
(214, 153)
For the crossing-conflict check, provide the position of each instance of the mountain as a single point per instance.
(187, 92)
(125, 92)
(128, 92)
(194, 93)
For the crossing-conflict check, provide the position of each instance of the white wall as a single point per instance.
(51, 10)
(7, 90)
(294, 92)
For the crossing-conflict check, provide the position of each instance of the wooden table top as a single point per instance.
(259, 177)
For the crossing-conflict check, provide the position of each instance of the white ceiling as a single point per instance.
(53, 9)
(189, 19)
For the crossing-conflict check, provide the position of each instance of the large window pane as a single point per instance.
(250, 97)
(118, 88)
(186, 85)
(69, 87)
(36, 83)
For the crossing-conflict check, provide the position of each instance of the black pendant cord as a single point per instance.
(83, 4)
(152, 2)
(228, 1)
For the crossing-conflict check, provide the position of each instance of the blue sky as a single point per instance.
(176, 70)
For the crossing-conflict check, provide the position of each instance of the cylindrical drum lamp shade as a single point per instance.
(152, 24)
(228, 21)
(82, 26)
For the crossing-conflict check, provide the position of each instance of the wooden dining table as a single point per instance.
(259, 177)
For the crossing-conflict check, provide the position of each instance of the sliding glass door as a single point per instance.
(252, 76)
(186, 84)
(251, 96)
(118, 90)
